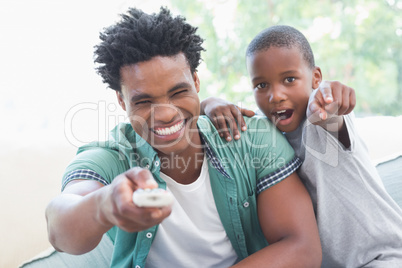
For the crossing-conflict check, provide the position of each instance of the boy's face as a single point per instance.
(160, 97)
(282, 82)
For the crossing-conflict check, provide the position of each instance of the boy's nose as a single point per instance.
(276, 95)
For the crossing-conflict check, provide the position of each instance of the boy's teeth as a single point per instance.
(169, 130)
(281, 111)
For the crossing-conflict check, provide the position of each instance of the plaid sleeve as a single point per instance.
(83, 174)
(277, 176)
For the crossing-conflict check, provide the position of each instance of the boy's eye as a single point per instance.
(261, 85)
(290, 79)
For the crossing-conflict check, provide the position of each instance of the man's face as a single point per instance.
(160, 97)
(282, 82)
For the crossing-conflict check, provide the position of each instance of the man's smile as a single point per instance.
(166, 131)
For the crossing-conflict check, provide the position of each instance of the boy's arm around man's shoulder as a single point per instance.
(226, 117)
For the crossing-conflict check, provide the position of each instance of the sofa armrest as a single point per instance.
(391, 174)
(97, 258)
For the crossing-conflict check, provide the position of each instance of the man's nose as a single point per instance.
(164, 113)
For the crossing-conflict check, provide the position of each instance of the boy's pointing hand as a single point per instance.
(331, 99)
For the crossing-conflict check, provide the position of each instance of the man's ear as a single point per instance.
(196, 81)
(120, 99)
(317, 77)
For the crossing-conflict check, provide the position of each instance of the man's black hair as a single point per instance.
(139, 37)
(282, 36)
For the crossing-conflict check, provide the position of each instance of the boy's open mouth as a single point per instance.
(283, 114)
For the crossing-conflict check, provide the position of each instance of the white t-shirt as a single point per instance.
(193, 234)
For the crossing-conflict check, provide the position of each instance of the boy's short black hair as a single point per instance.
(138, 37)
(282, 36)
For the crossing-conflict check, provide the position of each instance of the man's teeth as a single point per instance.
(169, 130)
(281, 111)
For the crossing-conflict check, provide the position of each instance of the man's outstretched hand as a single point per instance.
(119, 209)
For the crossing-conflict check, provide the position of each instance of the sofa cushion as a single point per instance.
(98, 258)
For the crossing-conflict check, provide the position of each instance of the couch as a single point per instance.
(390, 172)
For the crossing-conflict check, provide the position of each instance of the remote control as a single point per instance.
(156, 197)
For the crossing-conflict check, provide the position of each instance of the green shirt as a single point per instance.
(238, 170)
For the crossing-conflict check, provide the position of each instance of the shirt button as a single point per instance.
(137, 266)
(149, 235)
(147, 166)
(246, 204)
(156, 163)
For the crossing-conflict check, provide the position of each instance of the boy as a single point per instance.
(223, 214)
(359, 223)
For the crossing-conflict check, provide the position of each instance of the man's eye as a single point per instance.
(142, 102)
(290, 79)
(261, 85)
(179, 92)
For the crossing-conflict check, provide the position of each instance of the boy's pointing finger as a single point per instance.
(326, 91)
(316, 111)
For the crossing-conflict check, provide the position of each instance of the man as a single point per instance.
(237, 204)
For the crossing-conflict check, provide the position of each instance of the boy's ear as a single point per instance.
(120, 99)
(317, 77)
(196, 81)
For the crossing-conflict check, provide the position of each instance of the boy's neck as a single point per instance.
(296, 130)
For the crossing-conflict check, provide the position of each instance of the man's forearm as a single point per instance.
(74, 222)
(289, 252)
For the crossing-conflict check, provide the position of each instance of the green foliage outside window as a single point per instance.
(357, 42)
